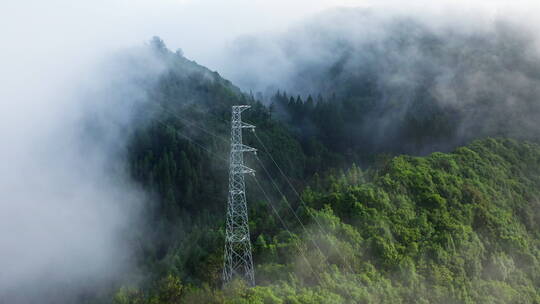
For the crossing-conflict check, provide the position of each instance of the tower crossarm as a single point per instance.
(247, 126)
(242, 169)
(242, 148)
(241, 108)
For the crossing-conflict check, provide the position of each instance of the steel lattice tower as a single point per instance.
(237, 260)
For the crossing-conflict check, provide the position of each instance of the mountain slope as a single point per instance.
(397, 84)
(451, 228)
(447, 228)
(179, 154)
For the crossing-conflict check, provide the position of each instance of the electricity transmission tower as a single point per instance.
(237, 260)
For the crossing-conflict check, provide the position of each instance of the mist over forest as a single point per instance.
(398, 154)
(415, 86)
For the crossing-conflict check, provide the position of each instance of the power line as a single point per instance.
(194, 142)
(259, 185)
(192, 124)
(286, 228)
(273, 182)
(290, 207)
(300, 199)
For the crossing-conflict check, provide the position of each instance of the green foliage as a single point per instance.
(169, 289)
(461, 227)
(447, 228)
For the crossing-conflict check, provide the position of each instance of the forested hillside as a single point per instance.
(447, 228)
(396, 84)
(460, 227)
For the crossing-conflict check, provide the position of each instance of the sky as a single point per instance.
(200, 27)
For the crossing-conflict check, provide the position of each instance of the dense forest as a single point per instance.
(355, 223)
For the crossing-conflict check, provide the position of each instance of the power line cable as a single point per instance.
(300, 199)
(286, 228)
(259, 185)
(195, 142)
(273, 183)
(193, 124)
(291, 208)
